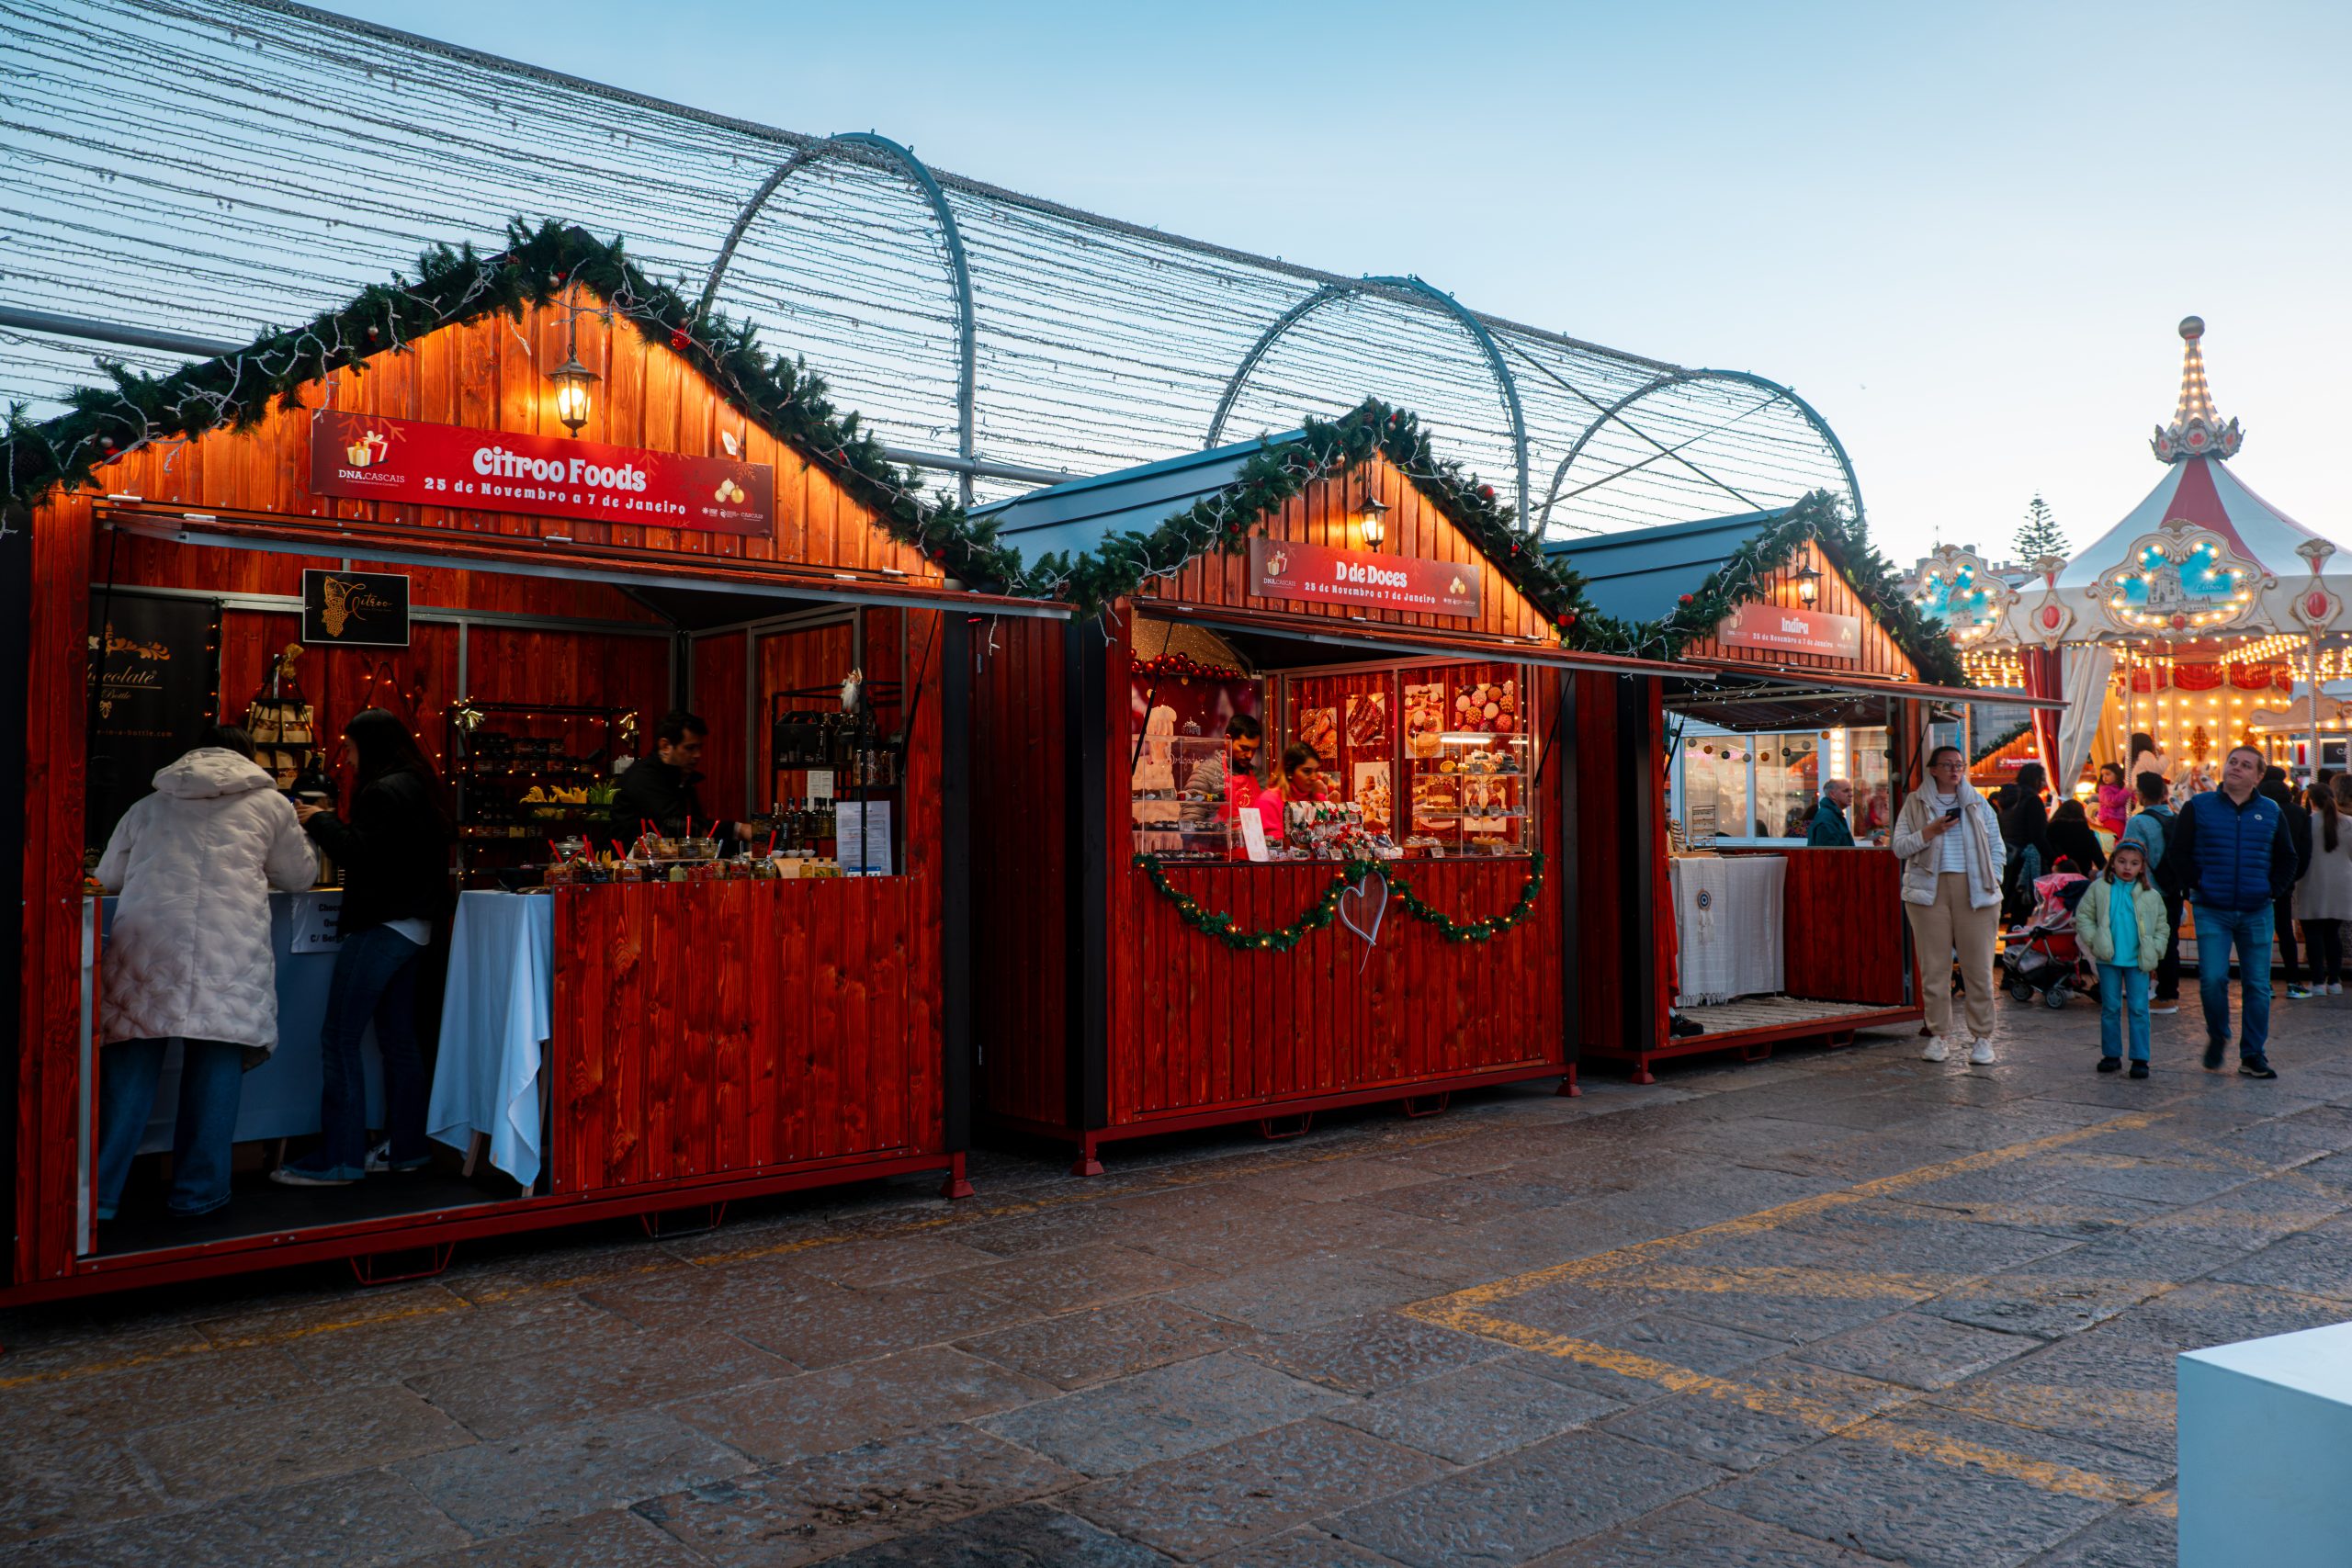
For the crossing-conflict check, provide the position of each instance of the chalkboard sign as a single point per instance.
(354, 609)
(155, 685)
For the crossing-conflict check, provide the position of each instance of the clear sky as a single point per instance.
(1965, 234)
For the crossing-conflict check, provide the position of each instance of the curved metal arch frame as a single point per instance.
(1677, 377)
(959, 272)
(1415, 290)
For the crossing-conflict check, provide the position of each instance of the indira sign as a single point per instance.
(1319, 575)
(1784, 630)
(367, 457)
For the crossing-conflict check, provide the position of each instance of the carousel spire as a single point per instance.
(2195, 431)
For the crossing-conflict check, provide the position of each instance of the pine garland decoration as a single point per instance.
(1817, 518)
(1119, 565)
(1326, 908)
(782, 395)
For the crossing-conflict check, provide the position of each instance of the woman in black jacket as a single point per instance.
(394, 855)
(2025, 826)
(2073, 838)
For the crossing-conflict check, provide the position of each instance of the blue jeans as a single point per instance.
(2122, 995)
(2250, 930)
(212, 1075)
(375, 977)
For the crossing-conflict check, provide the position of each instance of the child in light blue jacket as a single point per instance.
(2120, 923)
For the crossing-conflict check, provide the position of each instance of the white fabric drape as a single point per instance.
(2087, 670)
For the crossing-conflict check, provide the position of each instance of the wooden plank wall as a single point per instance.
(1207, 1026)
(1880, 656)
(1601, 918)
(1330, 512)
(719, 700)
(491, 374)
(49, 1068)
(1841, 921)
(1020, 806)
(735, 1026)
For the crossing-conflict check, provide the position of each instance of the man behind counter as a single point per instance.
(661, 788)
(1206, 793)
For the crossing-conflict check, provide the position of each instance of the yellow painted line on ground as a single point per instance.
(242, 1342)
(1781, 1214)
(2046, 1476)
(2038, 1407)
(1811, 1284)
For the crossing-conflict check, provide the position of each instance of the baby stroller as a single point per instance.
(2041, 956)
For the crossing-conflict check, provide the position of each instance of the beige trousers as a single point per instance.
(1946, 926)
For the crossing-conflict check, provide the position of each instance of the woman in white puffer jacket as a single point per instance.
(188, 957)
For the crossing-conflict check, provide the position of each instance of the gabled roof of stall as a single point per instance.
(1637, 576)
(235, 390)
(1655, 590)
(1075, 516)
(1094, 540)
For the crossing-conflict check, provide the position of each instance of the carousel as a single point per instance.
(2204, 619)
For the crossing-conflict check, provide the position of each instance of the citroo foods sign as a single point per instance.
(367, 458)
(1786, 630)
(1365, 579)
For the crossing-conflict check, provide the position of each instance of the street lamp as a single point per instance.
(571, 378)
(1808, 584)
(1375, 528)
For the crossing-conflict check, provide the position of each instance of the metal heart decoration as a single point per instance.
(1379, 912)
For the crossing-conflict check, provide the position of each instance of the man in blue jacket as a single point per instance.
(2235, 859)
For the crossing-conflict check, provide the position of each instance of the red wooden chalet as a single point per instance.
(1136, 970)
(721, 545)
(1797, 661)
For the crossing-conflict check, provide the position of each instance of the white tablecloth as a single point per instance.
(496, 1014)
(1728, 925)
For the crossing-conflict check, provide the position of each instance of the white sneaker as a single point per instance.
(1981, 1053)
(1937, 1050)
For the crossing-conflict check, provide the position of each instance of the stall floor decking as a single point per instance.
(1769, 1012)
(259, 1206)
(1836, 1310)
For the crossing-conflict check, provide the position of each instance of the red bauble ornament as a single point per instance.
(1514, 547)
(1486, 493)
(1567, 621)
(678, 339)
(1687, 599)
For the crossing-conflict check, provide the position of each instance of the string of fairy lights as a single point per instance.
(209, 169)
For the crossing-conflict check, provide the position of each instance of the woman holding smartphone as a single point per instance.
(1949, 844)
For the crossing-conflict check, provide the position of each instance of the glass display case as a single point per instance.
(1471, 798)
(1177, 810)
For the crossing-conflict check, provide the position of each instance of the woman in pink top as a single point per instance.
(1302, 779)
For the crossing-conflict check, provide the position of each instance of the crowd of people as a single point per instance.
(2258, 860)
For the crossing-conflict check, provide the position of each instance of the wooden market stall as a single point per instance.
(536, 583)
(1715, 925)
(1142, 962)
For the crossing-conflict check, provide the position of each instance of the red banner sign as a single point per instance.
(367, 458)
(1279, 570)
(1792, 631)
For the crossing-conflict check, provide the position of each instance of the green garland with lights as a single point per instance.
(782, 395)
(1120, 564)
(1326, 908)
(1818, 519)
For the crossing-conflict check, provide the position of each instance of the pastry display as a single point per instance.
(1368, 721)
(1424, 719)
(1320, 729)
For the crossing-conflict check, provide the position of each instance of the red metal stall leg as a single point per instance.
(957, 1185)
(1274, 1131)
(1086, 1164)
(1418, 1106)
(434, 1259)
(1642, 1073)
(657, 1228)
(1568, 1084)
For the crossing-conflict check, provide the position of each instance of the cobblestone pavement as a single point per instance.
(1832, 1309)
